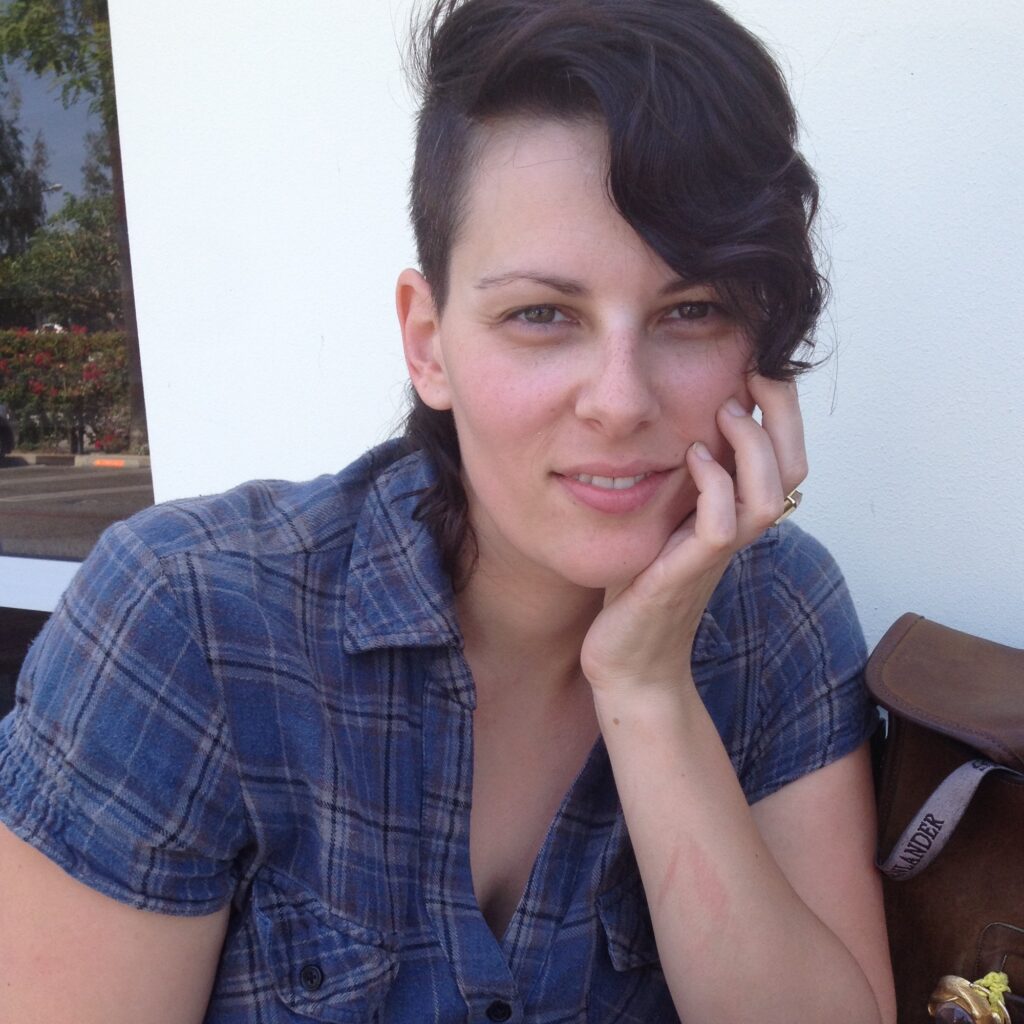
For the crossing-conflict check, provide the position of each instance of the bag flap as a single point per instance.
(957, 684)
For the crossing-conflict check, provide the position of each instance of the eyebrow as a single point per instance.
(566, 285)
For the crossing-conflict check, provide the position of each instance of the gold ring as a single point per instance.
(790, 505)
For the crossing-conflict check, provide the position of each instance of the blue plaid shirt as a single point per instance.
(260, 698)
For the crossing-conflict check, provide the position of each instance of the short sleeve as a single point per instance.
(813, 707)
(116, 763)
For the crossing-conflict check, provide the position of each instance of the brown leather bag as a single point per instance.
(954, 890)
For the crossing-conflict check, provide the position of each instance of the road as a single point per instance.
(59, 511)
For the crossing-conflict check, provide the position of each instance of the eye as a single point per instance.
(539, 316)
(692, 311)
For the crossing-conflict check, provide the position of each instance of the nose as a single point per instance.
(618, 391)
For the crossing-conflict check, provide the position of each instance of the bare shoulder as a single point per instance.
(70, 953)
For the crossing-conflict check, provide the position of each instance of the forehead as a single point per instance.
(539, 184)
(537, 158)
(523, 141)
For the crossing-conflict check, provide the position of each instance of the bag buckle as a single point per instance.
(959, 1001)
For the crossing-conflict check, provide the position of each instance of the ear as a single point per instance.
(421, 339)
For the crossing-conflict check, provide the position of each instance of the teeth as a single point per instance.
(611, 483)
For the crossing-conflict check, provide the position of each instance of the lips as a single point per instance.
(613, 491)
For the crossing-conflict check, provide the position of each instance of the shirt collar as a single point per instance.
(710, 643)
(398, 595)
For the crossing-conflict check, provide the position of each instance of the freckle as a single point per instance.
(615, 721)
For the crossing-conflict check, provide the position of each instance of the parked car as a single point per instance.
(7, 437)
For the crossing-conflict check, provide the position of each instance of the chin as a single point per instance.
(608, 572)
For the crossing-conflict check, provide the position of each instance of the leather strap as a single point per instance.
(934, 823)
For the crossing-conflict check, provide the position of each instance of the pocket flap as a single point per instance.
(322, 966)
(627, 925)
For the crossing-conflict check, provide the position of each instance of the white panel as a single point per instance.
(33, 583)
(913, 114)
(266, 152)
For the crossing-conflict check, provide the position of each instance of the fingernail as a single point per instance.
(733, 408)
(701, 451)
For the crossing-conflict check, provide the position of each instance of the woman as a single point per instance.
(533, 714)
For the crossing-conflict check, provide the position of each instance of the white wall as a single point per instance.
(266, 153)
(266, 149)
(914, 116)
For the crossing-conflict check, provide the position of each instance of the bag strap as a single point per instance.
(934, 823)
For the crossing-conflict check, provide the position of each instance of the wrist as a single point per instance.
(650, 698)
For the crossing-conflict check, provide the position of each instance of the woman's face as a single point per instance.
(579, 368)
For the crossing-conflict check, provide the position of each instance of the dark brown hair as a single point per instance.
(703, 163)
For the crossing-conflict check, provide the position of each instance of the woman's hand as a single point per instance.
(725, 883)
(644, 635)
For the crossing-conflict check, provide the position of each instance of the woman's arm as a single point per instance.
(70, 954)
(821, 830)
(765, 914)
(771, 915)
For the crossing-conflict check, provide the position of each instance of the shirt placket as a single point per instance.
(474, 955)
(550, 940)
(523, 976)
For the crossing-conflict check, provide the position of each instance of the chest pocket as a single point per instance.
(628, 987)
(322, 967)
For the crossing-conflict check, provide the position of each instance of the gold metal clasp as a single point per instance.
(959, 1001)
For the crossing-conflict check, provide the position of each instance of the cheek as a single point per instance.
(507, 404)
(500, 438)
(698, 387)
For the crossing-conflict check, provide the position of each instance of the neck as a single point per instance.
(524, 632)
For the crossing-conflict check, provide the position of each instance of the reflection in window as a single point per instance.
(72, 409)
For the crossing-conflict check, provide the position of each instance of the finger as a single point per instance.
(759, 493)
(714, 520)
(704, 540)
(782, 420)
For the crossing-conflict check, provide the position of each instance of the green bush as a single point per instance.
(69, 387)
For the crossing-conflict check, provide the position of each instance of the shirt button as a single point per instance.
(312, 977)
(499, 1011)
